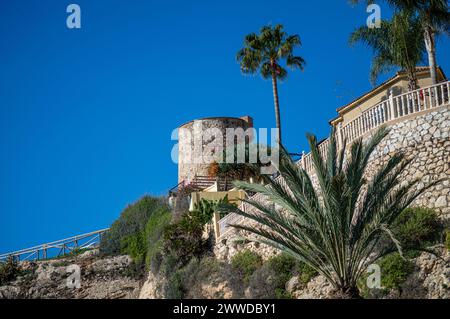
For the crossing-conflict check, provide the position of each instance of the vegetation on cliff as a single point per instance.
(138, 231)
(245, 263)
(145, 231)
(418, 228)
(9, 270)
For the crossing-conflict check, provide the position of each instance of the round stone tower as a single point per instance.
(196, 136)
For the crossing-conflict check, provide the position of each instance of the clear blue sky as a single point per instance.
(86, 115)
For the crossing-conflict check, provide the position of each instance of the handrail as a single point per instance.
(61, 244)
(199, 183)
(392, 109)
(397, 107)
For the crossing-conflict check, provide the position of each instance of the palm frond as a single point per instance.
(265, 51)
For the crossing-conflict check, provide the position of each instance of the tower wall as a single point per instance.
(190, 139)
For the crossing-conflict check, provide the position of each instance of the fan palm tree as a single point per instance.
(343, 225)
(397, 43)
(264, 52)
(435, 19)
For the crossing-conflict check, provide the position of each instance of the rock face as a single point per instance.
(228, 246)
(100, 278)
(206, 279)
(430, 280)
(317, 288)
(151, 289)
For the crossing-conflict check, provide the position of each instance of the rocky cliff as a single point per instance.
(215, 279)
(99, 278)
(210, 278)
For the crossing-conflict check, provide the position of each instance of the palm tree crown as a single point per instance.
(397, 43)
(432, 13)
(434, 17)
(264, 52)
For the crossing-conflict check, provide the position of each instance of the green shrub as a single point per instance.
(175, 289)
(169, 264)
(417, 228)
(190, 275)
(135, 246)
(9, 270)
(138, 233)
(281, 293)
(184, 239)
(131, 222)
(269, 281)
(394, 270)
(154, 238)
(370, 293)
(146, 245)
(178, 280)
(262, 284)
(178, 253)
(305, 273)
(283, 266)
(246, 263)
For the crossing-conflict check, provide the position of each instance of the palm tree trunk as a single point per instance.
(277, 105)
(350, 292)
(431, 50)
(412, 80)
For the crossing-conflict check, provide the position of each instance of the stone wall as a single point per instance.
(190, 137)
(424, 137)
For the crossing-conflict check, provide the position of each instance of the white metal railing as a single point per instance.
(393, 109)
(84, 241)
(233, 218)
(397, 107)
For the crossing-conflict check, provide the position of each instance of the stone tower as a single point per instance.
(190, 138)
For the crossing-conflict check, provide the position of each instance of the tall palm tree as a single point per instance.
(264, 52)
(342, 226)
(397, 43)
(435, 19)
